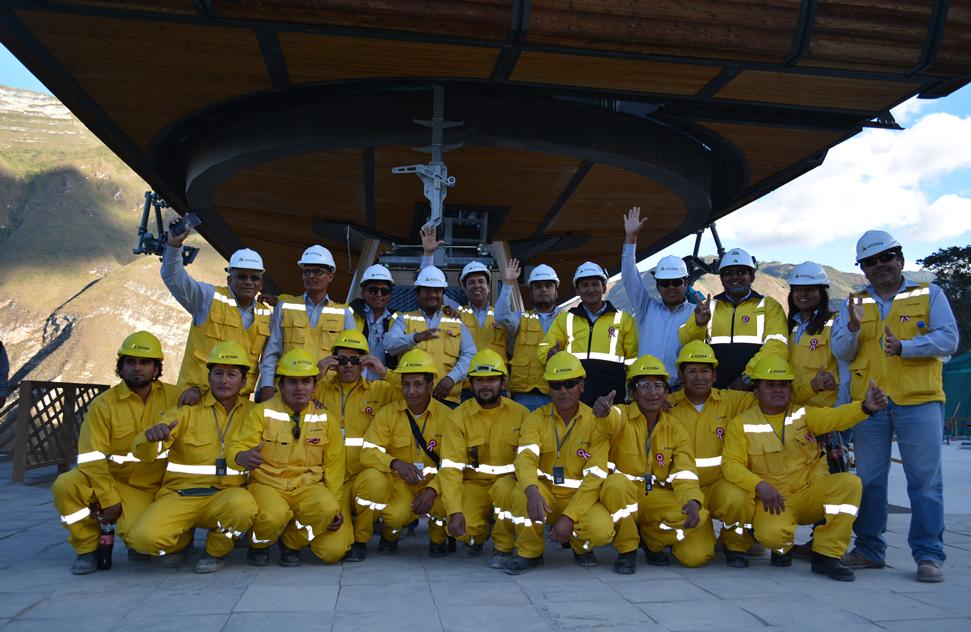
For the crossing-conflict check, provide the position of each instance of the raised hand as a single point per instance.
(854, 307)
(601, 407)
(511, 275)
(703, 312)
(633, 224)
(429, 243)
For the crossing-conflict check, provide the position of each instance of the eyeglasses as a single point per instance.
(375, 290)
(734, 271)
(650, 386)
(567, 384)
(345, 360)
(883, 257)
(669, 282)
(317, 272)
(248, 277)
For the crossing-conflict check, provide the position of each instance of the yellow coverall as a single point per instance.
(107, 472)
(192, 494)
(357, 404)
(782, 451)
(723, 500)
(477, 476)
(299, 485)
(665, 461)
(580, 447)
(388, 438)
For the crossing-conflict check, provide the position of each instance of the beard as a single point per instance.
(544, 305)
(135, 384)
(488, 401)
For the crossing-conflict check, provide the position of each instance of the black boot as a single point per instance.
(289, 557)
(832, 567)
(358, 552)
(437, 549)
(519, 565)
(736, 559)
(585, 560)
(258, 557)
(387, 547)
(781, 560)
(626, 563)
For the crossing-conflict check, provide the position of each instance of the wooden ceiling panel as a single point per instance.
(954, 56)
(816, 91)
(772, 149)
(313, 58)
(612, 74)
(180, 7)
(146, 74)
(704, 29)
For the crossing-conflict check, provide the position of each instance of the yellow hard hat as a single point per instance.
(487, 362)
(647, 365)
(297, 363)
(141, 344)
(351, 339)
(563, 366)
(772, 367)
(417, 361)
(229, 352)
(697, 351)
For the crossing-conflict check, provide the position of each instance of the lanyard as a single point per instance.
(782, 437)
(647, 444)
(556, 434)
(222, 431)
(344, 399)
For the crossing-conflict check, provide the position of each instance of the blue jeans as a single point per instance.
(531, 400)
(919, 429)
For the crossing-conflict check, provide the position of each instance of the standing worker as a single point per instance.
(740, 324)
(896, 332)
(294, 452)
(200, 488)
(657, 321)
(219, 314)
(478, 455)
(603, 337)
(527, 329)
(108, 476)
(371, 315)
(310, 322)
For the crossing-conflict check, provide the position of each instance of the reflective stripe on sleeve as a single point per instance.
(80, 514)
(368, 444)
(572, 483)
(757, 428)
(624, 512)
(354, 442)
(370, 504)
(495, 470)
(448, 463)
(684, 475)
(88, 457)
(125, 458)
(838, 509)
(532, 447)
(205, 470)
(713, 461)
(596, 471)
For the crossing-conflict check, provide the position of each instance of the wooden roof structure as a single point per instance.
(277, 120)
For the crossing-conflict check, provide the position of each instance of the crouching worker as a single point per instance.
(295, 454)
(560, 465)
(402, 453)
(108, 477)
(771, 450)
(478, 455)
(654, 485)
(199, 489)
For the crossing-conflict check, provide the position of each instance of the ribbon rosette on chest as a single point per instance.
(583, 454)
(720, 433)
(810, 437)
(659, 458)
(745, 319)
(432, 444)
(813, 344)
(612, 332)
(313, 440)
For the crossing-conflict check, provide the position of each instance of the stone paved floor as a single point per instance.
(413, 592)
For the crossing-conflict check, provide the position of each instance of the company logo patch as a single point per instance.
(313, 440)
(745, 319)
(583, 453)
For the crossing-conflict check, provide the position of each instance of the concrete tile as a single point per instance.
(91, 624)
(191, 602)
(86, 605)
(778, 610)
(173, 622)
(489, 618)
(416, 595)
(381, 618)
(755, 584)
(13, 603)
(477, 593)
(591, 615)
(955, 601)
(275, 575)
(937, 625)
(880, 608)
(288, 599)
(701, 615)
(540, 588)
(650, 590)
(277, 621)
(383, 570)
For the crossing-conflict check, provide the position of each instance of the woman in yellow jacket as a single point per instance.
(810, 324)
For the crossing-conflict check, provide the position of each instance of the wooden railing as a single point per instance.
(49, 416)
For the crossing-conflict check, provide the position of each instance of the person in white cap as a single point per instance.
(527, 329)
(740, 324)
(229, 312)
(443, 337)
(311, 321)
(603, 337)
(657, 321)
(896, 332)
(371, 315)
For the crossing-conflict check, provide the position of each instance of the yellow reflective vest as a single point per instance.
(907, 381)
(666, 457)
(202, 436)
(756, 449)
(297, 332)
(806, 357)
(110, 425)
(445, 349)
(526, 368)
(291, 462)
(490, 335)
(224, 323)
(478, 445)
(706, 429)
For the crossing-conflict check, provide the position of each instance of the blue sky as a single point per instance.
(916, 184)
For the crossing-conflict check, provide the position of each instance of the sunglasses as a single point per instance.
(317, 272)
(345, 360)
(669, 282)
(296, 426)
(248, 277)
(568, 384)
(883, 257)
(376, 290)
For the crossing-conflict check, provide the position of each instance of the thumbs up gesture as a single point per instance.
(161, 432)
(824, 381)
(251, 459)
(891, 344)
(601, 407)
(875, 398)
(703, 312)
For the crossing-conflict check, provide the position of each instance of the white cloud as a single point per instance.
(878, 179)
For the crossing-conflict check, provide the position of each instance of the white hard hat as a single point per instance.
(737, 257)
(431, 277)
(377, 272)
(317, 256)
(873, 242)
(473, 267)
(670, 267)
(543, 272)
(246, 259)
(589, 269)
(808, 273)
